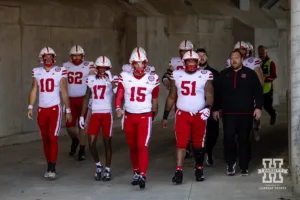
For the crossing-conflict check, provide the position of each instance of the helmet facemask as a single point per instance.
(182, 52)
(101, 71)
(191, 65)
(48, 60)
(139, 66)
(77, 59)
(243, 51)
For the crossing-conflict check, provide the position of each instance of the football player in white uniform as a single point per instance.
(51, 80)
(258, 70)
(77, 70)
(194, 92)
(248, 61)
(128, 67)
(140, 93)
(100, 89)
(176, 63)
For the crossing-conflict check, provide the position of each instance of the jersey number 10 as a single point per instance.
(47, 85)
(188, 88)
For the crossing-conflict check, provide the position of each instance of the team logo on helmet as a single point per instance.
(151, 78)
(250, 60)
(57, 69)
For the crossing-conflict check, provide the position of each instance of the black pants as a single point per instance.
(212, 133)
(268, 103)
(237, 127)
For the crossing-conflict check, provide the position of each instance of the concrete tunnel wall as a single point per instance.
(26, 28)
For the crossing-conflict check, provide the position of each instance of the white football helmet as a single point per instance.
(103, 61)
(186, 45)
(139, 49)
(250, 49)
(126, 68)
(191, 55)
(138, 57)
(241, 45)
(76, 50)
(47, 51)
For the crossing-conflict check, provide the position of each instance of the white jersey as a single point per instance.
(190, 89)
(138, 92)
(77, 75)
(102, 94)
(177, 63)
(249, 62)
(49, 85)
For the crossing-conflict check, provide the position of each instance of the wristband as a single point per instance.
(68, 110)
(30, 107)
(166, 114)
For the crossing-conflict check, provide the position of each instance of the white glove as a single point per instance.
(205, 113)
(109, 75)
(81, 122)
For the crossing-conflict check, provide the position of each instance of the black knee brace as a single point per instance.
(199, 154)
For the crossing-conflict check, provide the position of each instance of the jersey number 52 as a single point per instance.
(188, 88)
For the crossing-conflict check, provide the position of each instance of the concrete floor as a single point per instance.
(22, 168)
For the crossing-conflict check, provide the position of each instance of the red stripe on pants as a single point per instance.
(49, 121)
(138, 129)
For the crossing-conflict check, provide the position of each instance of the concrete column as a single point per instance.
(244, 5)
(295, 94)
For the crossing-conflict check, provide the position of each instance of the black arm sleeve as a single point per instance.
(257, 91)
(167, 75)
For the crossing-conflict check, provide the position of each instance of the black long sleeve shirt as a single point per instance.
(236, 91)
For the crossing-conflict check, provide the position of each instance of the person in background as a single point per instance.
(212, 126)
(236, 89)
(269, 70)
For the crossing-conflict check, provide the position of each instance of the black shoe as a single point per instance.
(81, 156)
(74, 145)
(199, 174)
(244, 172)
(273, 119)
(135, 178)
(142, 182)
(178, 177)
(106, 176)
(231, 170)
(209, 160)
(98, 173)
